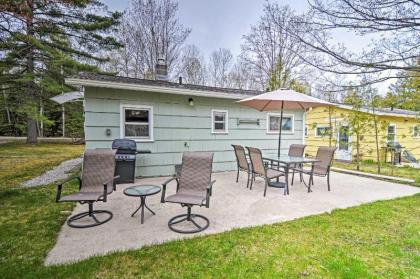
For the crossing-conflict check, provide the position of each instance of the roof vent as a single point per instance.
(161, 70)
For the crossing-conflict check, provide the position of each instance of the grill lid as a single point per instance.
(394, 145)
(124, 145)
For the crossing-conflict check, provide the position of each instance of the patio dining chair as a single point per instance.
(95, 184)
(260, 169)
(242, 162)
(194, 187)
(296, 150)
(322, 168)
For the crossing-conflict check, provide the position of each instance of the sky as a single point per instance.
(222, 23)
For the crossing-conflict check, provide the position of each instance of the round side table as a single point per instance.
(142, 191)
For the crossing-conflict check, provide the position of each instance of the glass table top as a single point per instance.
(142, 190)
(288, 159)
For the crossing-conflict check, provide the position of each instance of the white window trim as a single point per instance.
(322, 126)
(395, 132)
(418, 129)
(226, 131)
(122, 122)
(278, 115)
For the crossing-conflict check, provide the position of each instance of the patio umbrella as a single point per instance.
(283, 99)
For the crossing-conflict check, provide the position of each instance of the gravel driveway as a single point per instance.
(58, 173)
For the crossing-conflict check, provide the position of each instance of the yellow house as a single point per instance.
(394, 125)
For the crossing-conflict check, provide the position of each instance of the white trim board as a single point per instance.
(395, 131)
(278, 115)
(122, 125)
(349, 107)
(226, 131)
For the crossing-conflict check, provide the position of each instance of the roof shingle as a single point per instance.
(167, 84)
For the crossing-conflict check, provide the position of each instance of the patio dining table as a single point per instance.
(286, 162)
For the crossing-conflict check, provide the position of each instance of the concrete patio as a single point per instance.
(231, 206)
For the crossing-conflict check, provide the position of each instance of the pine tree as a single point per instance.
(41, 42)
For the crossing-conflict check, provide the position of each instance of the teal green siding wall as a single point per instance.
(179, 127)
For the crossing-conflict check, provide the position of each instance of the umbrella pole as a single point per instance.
(281, 124)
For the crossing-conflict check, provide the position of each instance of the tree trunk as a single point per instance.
(9, 121)
(375, 122)
(32, 135)
(330, 124)
(41, 114)
(63, 115)
(357, 152)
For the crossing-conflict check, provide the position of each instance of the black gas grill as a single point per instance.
(125, 159)
(395, 148)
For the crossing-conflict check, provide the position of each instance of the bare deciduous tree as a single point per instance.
(219, 67)
(191, 66)
(392, 27)
(241, 76)
(272, 51)
(151, 30)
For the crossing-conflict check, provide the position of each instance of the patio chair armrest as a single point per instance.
(210, 185)
(267, 162)
(162, 198)
(113, 182)
(169, 180)
(60, 186)
(110, 180)
(209, 193)
(106, 183)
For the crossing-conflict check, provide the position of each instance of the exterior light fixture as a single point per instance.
(191, 102)
(108, 132)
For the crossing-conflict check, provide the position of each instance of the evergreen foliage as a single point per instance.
(41, 43)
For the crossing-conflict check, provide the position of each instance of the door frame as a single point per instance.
(344, 155)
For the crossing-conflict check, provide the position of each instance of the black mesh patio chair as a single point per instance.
(296, 150)
(258, 168)
(194, 187)
(322, 168)
(242, 163)
(95, 184)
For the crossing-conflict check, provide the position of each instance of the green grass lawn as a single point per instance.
(386, 169)
(378, 240)
(20, 162)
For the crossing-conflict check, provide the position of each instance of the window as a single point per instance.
(343, 138)
(322, 131)
(219, 121)
(306, 131)
(391, 133)
(416, 131)
(137, 122)
(273, 123)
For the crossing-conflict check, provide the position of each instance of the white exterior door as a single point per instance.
(343, 144)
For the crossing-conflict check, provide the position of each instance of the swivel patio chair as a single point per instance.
(322, 168)
(194, 187)
(261, 170)
(95, 184)
(296, 150)
(242, 162)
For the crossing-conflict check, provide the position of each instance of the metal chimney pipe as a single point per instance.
(161, 70)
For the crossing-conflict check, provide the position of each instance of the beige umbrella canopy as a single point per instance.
(283, 99)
